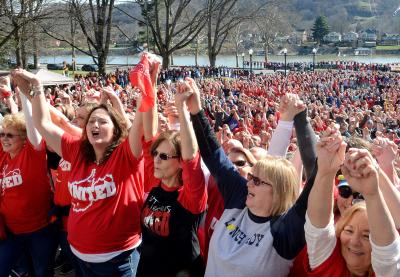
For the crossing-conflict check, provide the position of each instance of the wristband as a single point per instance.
(6, 94)
(36, 90)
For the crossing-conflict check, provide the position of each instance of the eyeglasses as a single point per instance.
(163, 156)
(239, 163)
(346, 192)
(8, 135)
(257, 181)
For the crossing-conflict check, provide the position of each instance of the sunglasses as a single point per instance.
(257, 182)
(8, 135)
(240, 163)
(163, 156)
(346, 192)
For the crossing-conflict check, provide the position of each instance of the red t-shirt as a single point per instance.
(106, 199)
(25, 192)
(334, 266)
(214, 212)
(62, 197)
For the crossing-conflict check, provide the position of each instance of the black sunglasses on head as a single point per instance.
(163, 156)
(346, 192)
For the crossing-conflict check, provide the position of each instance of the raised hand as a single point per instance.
(290, 106)
(330, 151)
(5, 87)
(194, 102)
(361, 171)
(384, 150)
(183, 92)
(171, 112)
(155, 63)
(25, 80)
(5, 91)
(106, 94)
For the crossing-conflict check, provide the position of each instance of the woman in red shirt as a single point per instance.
(106, 183)
(25, 198)
(365, 242)
(177, 198)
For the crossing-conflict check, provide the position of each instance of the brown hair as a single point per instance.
(66, 110)
(120, 133)
(249, 156)
(359, 143)
(284, 180)
(174, 138)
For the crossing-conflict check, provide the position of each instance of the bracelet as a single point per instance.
(36, 90)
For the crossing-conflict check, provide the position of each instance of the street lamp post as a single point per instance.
(314, 52)
(251, 60)
(243, 61)
(285, 54)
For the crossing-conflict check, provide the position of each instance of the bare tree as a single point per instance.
(19, 18)
(173, 24)
(201, 36)
(223, 16)
(94, 19)
(237, 38)
(270, 25)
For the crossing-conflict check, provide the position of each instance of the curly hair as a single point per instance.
(120, 133)
(15, 121)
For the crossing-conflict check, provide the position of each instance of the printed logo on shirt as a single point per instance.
(156, 217)
(10, 179)
(89, 190)
(239, 236)
(64, 165)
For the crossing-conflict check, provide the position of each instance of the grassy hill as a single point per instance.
(348, 15)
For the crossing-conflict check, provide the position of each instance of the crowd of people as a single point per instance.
(202, 172)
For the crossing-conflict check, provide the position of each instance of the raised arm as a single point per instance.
(291, 105)
(145, 123)
(231, 185)
(188, 138)
(385, 152)
(331, 151)
(33, 135)
(362, 173)
(41, 115)
(306, 141)
(319, 229)
(6, 94)
(107, 93)
(62, 121)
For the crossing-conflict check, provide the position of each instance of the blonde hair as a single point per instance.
(15, 121)
(348, 215)
(284, 180)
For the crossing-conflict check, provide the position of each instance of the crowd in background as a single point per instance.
(259, 136)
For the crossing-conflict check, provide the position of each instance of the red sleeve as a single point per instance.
(334, 266)
(70, 147)
(194, 193)
(149, 180)
(3, 233)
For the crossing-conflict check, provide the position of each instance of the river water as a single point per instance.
(225, 60)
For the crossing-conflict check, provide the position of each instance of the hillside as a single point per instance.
(347, 15)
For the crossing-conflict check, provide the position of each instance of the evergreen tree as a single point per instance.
(320, 28)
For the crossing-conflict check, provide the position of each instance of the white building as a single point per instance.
(350, 37)
(333, 37)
